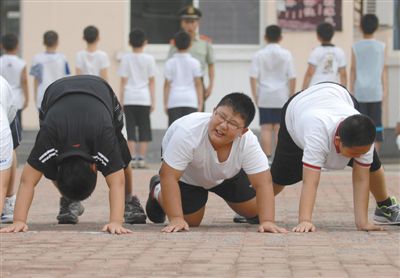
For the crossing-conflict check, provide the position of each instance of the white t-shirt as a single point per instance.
(327, 59)
(181, 70)
(47, 68)
(312, 119)
(11, 67)
(6, 100)
(6, 144)
(272, 66)
(186, 147)
(138, 68)
(92, 62)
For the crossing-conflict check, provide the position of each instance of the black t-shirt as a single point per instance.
(79, 120)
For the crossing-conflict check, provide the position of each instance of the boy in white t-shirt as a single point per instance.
(183, 89)
(137, 71)
(48, 66)
(326, 62)
(92, 61)
(272, 80)
(214, 152)
(321, 129)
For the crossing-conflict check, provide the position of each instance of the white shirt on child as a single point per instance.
(181, 70)
(272, 66)
(92, 62)
(47, 67)
(186, 147)
(312, 119)
(327, 59)
(138, 68)
(6, 100)
(11, 67)
(6, 144)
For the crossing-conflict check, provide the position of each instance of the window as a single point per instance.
(396, 26)
(9, 16)
(225, 22)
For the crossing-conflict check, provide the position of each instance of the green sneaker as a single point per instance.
(388, 215)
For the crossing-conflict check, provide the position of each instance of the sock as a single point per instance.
(157, 191)
(387, 202)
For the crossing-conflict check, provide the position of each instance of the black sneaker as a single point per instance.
(134, 213)
(153, 209)
(69, 211)
(241, 219)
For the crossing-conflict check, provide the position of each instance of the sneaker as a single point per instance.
(153, 209)
(133, 163)
(69, 211)
(388, 215)
(8, 210)
(134, 213)
(141, 163)
(241, 219)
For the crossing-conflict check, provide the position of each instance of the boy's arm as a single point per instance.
(152, 88)
(262, 183)
(353, 73)
(253, 86)
(78, 71)
(343, 76)
(199, 91)
(167, 88)
(307, 200)
(35, 87)
(116, 183)
(292, 86)
(104, 74)
(384, 81)
(360, 197)
(124, 80)
(29, 179)
(24, 84)
(211, 76)
(171, 199)
(307, 77)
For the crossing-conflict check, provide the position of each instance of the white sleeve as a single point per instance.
(315, 153)
(123, 69)
(196, 69)
(313, 59)
(105, 61)
(6, 144)
(254, 159)
(366, 159)
(6, 99)
(291, 70)
(254, 70)
(78, 60)
(342, 58)
(152, 67)
(177, 149)
(168, 71)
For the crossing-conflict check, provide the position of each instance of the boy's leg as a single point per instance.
(134, 212)
(266, 139)
(144, 130)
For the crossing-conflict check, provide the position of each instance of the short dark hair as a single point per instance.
(90, 34)
(76, 178)
(241, 104)
(325, 31)
(182, 40)
(369, 23)
(356, 131)
(50, 38)
(137, 38)
(9, 42)
(273, 33)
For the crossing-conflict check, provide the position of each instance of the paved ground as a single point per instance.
(218, 248)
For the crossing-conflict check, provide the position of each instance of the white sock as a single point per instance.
(157, 191)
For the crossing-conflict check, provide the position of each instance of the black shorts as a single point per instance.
(123, 146)
(287, 167)
(138, 116)
(234, 190)
(374, 111)
(179, 112)
(16, 131)
(270, 115)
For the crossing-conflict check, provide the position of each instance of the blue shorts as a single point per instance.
(374, 111)
(270, 115)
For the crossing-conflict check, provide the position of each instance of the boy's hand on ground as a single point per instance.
(270, 227)
(176, 225)
(370, 227)
(17, 226)
(304, 227)
(115, 228)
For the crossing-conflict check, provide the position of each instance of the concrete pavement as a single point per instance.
(218, 248)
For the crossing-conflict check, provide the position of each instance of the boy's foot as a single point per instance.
(241, 219)
(134, 213)
(141, 163)
(153, 209)
(69, 211)
(385, 215)
(8, 210)
(133, 163)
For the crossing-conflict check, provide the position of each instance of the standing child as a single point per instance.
(48, 66)
(137, 72)
(91, 60)
(326, 61)
(368, 77)
(183, 89)
(272, 80)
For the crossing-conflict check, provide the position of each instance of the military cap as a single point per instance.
(190, 12)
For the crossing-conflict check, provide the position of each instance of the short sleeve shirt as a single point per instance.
(92, 62)
(186, 147)
(6, 144)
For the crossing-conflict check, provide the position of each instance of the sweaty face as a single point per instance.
(353, 152)
(225, 126)
(190, 25)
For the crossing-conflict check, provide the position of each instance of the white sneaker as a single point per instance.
(8, 210)
(141, 163)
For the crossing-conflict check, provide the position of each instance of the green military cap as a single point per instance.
(190, 12)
